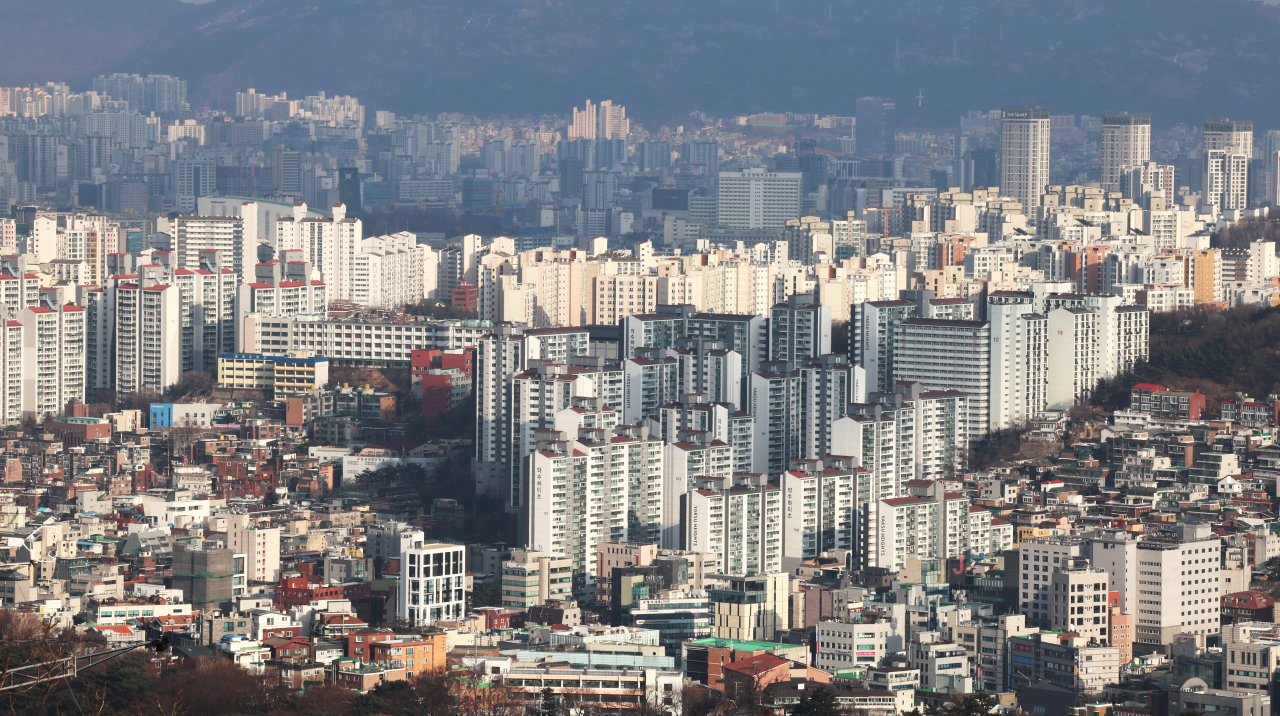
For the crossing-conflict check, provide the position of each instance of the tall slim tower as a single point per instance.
(1126, 142)
(1024, 155)
(1227, 148)
(875, 126)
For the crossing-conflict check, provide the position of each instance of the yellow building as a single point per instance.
(292, 373)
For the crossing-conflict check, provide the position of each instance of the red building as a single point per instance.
(1248, 607)
(445, 377)
(465, 298)
(300, 591)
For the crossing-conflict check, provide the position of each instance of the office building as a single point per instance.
(875, 126)
(1024, 155)
(758, 199)
(752, 608)
(1170, 583)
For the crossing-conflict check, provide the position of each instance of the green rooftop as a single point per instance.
(742, 645)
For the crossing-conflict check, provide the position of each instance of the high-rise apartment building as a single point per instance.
(603, 121)
(675, 422)
(799, 329)
(740, 523)
(1019, 345)
(705, 367)
(774, 405)
(589, 481)
(1227, 149)
(828, 385)
(695, 456)
(758, 199)
(703, 153)
(499, 358)
(933, 526)
(1126, 142)
(821, 508)
(1024, 155)
(942, 354)
(234, 239)
(871, 339)
(52, 362)
(192, 179)
(883, 435)
(329, 245)
(147, 337)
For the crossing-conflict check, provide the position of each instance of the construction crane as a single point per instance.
(70, 666)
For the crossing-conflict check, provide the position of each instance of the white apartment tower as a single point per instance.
(1126, 142)
(707, 367)
(603, 121)
(329, 245)
(499, 358)
(1024, 155)
(1227, 148)
(775, 407)
(718, 421)
(941, 354)
(741, 524)
(52, 362)
(871, 339)
(147, 337)
(827, 386)
(588, 484)
(695, 456)
(1019, 343)
(883, 436)
(822, 507)
(235, 243)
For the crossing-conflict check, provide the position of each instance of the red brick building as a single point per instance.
(465, 298)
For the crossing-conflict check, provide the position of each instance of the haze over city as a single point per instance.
(760, 358)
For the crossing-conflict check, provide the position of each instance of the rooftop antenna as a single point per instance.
(897, 64)
(920, 97)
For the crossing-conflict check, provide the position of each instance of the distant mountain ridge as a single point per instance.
(1180, 60)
